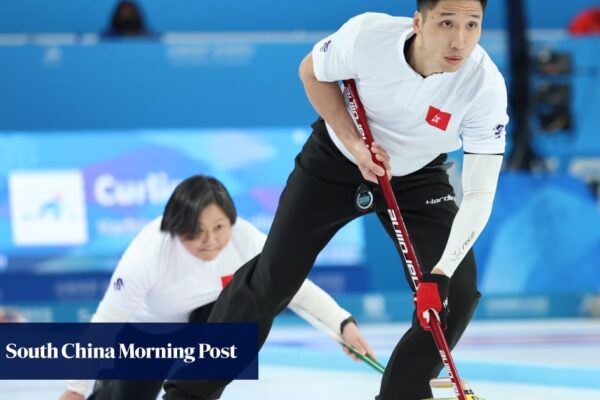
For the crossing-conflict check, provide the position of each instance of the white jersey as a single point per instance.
(414, 118)
(158, 280)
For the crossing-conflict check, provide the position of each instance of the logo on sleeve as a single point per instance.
(498, 131)
(325, 46)
(225, 280)
(438, 118)
(118, 284)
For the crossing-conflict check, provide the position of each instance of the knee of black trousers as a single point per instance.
(461, 310)
(463, 293)
(459, 317)
(463, 298)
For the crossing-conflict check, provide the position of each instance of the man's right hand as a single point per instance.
(364, 160)
(70, 395)
(432, 294)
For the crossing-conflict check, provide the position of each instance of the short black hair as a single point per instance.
(187, 202)
(425, 5)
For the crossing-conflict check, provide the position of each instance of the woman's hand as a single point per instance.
(70, 395)
(352, 335)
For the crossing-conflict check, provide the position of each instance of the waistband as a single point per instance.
(322, 137)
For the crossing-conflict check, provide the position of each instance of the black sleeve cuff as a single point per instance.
(346, 322)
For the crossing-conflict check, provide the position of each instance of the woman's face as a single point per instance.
(214, 234)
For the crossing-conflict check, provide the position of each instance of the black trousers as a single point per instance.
(317, 201)
(145, 389)
(126, 390)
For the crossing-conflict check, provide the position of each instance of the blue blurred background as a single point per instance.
(97, 129)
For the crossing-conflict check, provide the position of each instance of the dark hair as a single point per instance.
(425, 5)
(127, 19)
(187, 202)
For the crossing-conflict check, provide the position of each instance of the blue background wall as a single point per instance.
(203, 82)
(236, 15)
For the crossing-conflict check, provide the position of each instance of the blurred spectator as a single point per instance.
(10, 315)
(127, 20)
(586, 22)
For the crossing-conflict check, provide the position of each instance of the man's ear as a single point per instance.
(417, 22)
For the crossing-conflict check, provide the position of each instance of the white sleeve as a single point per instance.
(248, 237)
(129, 284)
(479, 180)
(484, 125)
(259, 240)
(81, 387)
(320, 305)
(333, 57)
(135, 275)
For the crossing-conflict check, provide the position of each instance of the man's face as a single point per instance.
(449, 33)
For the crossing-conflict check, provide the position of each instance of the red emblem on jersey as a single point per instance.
(226, 279)
(438, 118)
